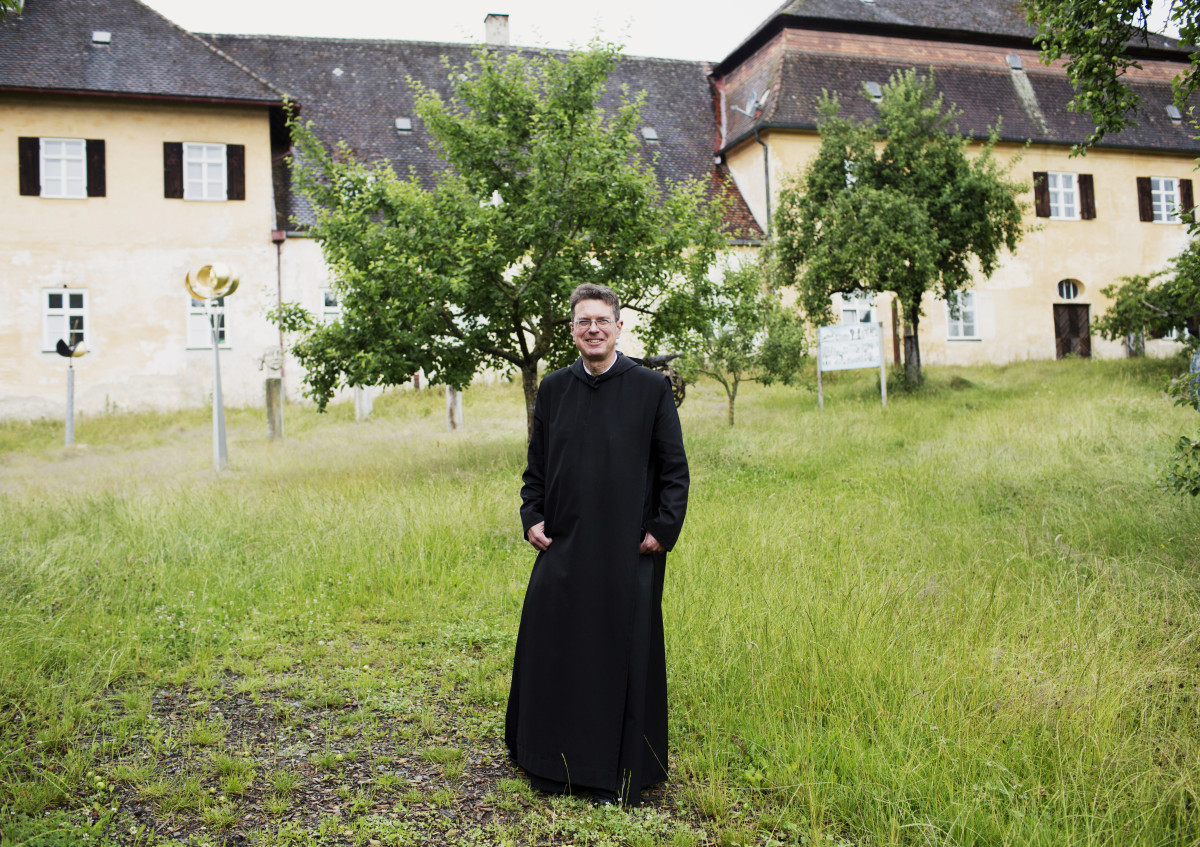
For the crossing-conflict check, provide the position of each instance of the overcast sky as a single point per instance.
(698, 30)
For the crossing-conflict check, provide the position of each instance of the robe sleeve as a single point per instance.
(673, 479)
(533, 488)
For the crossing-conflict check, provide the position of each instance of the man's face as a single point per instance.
(594, 341)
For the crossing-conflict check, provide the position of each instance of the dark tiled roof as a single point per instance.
(984, 17)
(983, 94)
(980, 21)
(48, 47)
(354, 90)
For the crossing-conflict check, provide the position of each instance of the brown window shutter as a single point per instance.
(1145, 202)
(1041, 194)
(173, 170)
(96, 178)
(1186, 198)
(235, 171)
(1087, 198)
(29, 158)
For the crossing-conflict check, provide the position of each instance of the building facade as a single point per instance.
(137, 151)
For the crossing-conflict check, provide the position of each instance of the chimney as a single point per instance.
(495, 30)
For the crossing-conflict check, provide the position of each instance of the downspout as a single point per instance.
(279, 236)
(766, 177)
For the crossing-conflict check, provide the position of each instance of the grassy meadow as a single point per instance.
(970, 618)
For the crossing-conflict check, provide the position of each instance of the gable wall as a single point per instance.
(130, 250)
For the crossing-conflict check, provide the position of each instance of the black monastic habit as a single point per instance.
(588, 704)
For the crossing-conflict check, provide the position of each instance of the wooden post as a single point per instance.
(820, 390)
(454, 411)
(882, 368)
(274, 407)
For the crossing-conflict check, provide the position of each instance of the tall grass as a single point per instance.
(968, 618)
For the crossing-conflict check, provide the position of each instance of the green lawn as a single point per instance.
(968, 619)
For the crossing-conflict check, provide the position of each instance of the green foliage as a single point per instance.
(1182, 472)
(545, 190)
(1096, 36)
(1157, 304)
(732, 329)
(897, 205)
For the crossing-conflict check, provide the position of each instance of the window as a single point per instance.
(61, 168)
(1068, 289)
(64, 316)
(199, 330)
(960, 315)
(1064, 199)
(1162, 199)
(204, 171)
(858, 308)
(331, 308)
(1064, 196)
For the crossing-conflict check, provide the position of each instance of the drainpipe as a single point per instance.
(766, 178)
(279, 236)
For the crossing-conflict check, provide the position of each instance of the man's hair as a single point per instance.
(589, 291)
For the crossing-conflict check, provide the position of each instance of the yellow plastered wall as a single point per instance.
(130, 251)
(1015, 305)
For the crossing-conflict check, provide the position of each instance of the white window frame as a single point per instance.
(330, 312)
(65, 320)
(205, 172)
(1063, 188)
(1067, 282)
(56, 166)
(857, 308)
(199, 330)
(968, 317)
(1164, 199)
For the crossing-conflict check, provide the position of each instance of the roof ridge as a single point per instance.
(212, 47)
(341, 39)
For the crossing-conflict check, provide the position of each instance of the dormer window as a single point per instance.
(101, 36)
(404, 125)
(874, 91)
(649, 133)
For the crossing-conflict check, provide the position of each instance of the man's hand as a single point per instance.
(649, 545)
(537, 536)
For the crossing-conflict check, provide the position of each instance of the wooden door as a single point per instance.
(1072, 331)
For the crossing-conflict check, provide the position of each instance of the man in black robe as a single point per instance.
(603, 500)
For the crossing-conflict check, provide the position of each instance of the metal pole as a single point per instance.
(882, 368)
(70, 404)
(220, 453)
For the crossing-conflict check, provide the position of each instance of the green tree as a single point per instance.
(1156, 304)
(734, 329)
(895, 205)
(1097, 38)
(545, 190)
(7, 6)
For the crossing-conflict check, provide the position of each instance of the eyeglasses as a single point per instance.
(585, 323)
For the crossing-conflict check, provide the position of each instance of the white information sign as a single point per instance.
(850, 346)
(847, 347)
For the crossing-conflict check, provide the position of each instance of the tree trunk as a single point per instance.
(529, 381)
(1135, 345)
(732, 392)
(912, 347)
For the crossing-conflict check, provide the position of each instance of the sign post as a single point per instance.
(212, 283)
(71, 352)
(850, 347)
